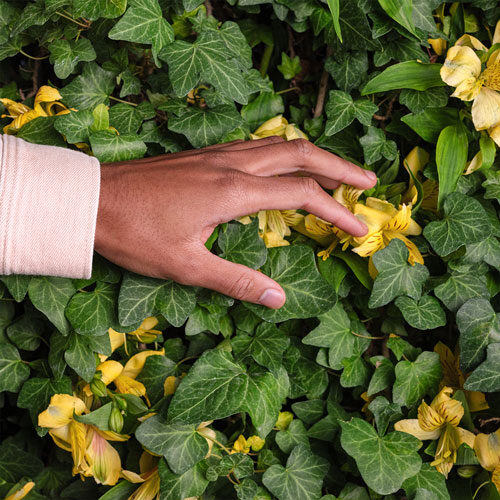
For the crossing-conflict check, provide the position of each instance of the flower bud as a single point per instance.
(98, 387)
(116, 420)
(121, 403)
(467, 471)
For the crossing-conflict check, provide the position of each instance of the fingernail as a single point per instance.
(272, 298)
(371, 175)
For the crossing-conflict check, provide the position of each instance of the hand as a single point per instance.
(155, 214)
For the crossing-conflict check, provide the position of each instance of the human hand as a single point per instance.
(155, 214)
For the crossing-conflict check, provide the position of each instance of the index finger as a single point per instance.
(301, 155)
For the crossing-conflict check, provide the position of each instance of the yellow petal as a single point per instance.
(47, 93)
(428, 418)
(60, 411)
(401, 222)
(496, 36)
(370, 245)
(209, 435)
(110, 370)
(476, 401)
(273, 126)
(487, 448)
(135, 364)
(471, 42)
(486, 109)
(381, 205)
(438, 45)
(461, 64)
(495, 134)
(415, 161)
(240, 445)
(446, 451)
(414, 255)
(77, 438)
(149, 489)
(491, 75)
(170, 385)
(61, 438)
(452, 411)
(14, 108)
(131, 477)
(466, 437)
(256, 443)
(104, 461)
(468, 89)
(411, 426)
(292, 132)
(448, 365)
(116, 339)
(291, 217)
(372, 270)
(475, 163)
(128, 385)
(316, 226)
(284, 420)
(272, 239)
(276, 223)
(149, 323)
(21, 493)
(347, 195)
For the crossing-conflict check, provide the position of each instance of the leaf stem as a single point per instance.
(478, 488)
(367, 336)
(33, 57)
(287, 90)
(266, 59)
(220, 445)
(71, 19)
(122, 100)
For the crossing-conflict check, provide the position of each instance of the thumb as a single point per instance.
(237, 281)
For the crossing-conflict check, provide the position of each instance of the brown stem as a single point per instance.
(323, 85)
(208, 6)
(291, 50)
(34, 78)
(388, 113)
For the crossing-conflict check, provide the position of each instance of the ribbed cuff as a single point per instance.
(49, 197)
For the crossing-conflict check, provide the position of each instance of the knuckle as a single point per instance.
(309, 186)
(242, 287)
(217, 158)
(303, 148)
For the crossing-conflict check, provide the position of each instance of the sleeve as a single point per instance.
(49, 197)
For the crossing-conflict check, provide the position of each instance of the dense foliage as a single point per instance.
(380, 377)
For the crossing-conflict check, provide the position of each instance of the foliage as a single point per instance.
(157, 390)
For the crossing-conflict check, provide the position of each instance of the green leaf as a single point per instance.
(41, 131)
(383, 376)
(486, 377)
(13, 371)
(216, 387)
(451, 157)
(308, 293)
(289, 67)
(80, 356)
(51, 295)
(418, 101)
(375, 146)
(431, 122)
(209, 60)
(264, 106)
(334, 7)
(75, 126)
(301, 478)
(144, 23)
(25, 332)
(17, 284)
(492, 185)
(310, 410)
(203, 128)
(33, 14)
(153, 375)
(479, 326)
(294, 435)
(180, 444)
(384, 462)
(125, 118)
(430, 479)
(347, 71)
(340, 112)
(94, 9)
(355, 373)
(406, 75)
(16, 463)
(396, 276)
(354, 26)
(487, 250)
(401, 12)
(107, 146)
(384, 413)
(460, 287)
(141, 297)
(424, 314)
(464, 222)
(175, 486)
(65, 55)
(93, 312)
(241, 243)
(266, 346)
(415, 379)
(92, 87)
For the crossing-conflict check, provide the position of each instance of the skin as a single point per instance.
(156, 213)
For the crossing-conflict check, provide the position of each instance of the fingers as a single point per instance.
(324, 181)
(237, 281)
(301, 155)
(249, 194)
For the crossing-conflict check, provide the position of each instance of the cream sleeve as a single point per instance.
(49, 198)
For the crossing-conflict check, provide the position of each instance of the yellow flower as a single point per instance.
(487, 448)
(256, 443)
(440, 420)
(22, 492)
(45, 105)
(462, 69)
(150, 487)
(240, 445)
(284, 420)
(278, 126)
(453, 377)
(66, 432)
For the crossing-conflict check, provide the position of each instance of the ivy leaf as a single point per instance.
(487, 250)
(465, 222)
(92, 312)
(294, 435)
(396, 276)
(75, 126)
(384, 462)
(65, 55)
(13, 372)
(340, 112)
(418, 101)
(80, 356)
(430, 479)
(301, 478)
(356, 31)
(141, 297)
(94, 9)
(17, 284)
(460, 287)
(51, 295)
(203, 128)
(92, 87)
(424, 314)
(266, 346)
(208, 59)
(310, 410)
(415, 379)
(16, 463)
(375, 146)
(346, 73)
(479, 326)
(107, 146)
(384, 413)
(308, 294)
(41, 131)
(191, 483)
(486, 377)
(144, 23)
(180, 444)
(492, 185)
(153, 375)
(289, 66)
(217, 387)
(26, 331)
(34, 14)
(383, 376)
(242, 244)
(355, 373)
(125, 118)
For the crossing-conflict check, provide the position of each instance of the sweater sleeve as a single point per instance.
(49, 198)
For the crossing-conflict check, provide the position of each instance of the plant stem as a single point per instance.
(32, 57)
(71, 19)
(478, 488)
(287, 90)
(266, 58)
(323, 85)
(121, 100)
